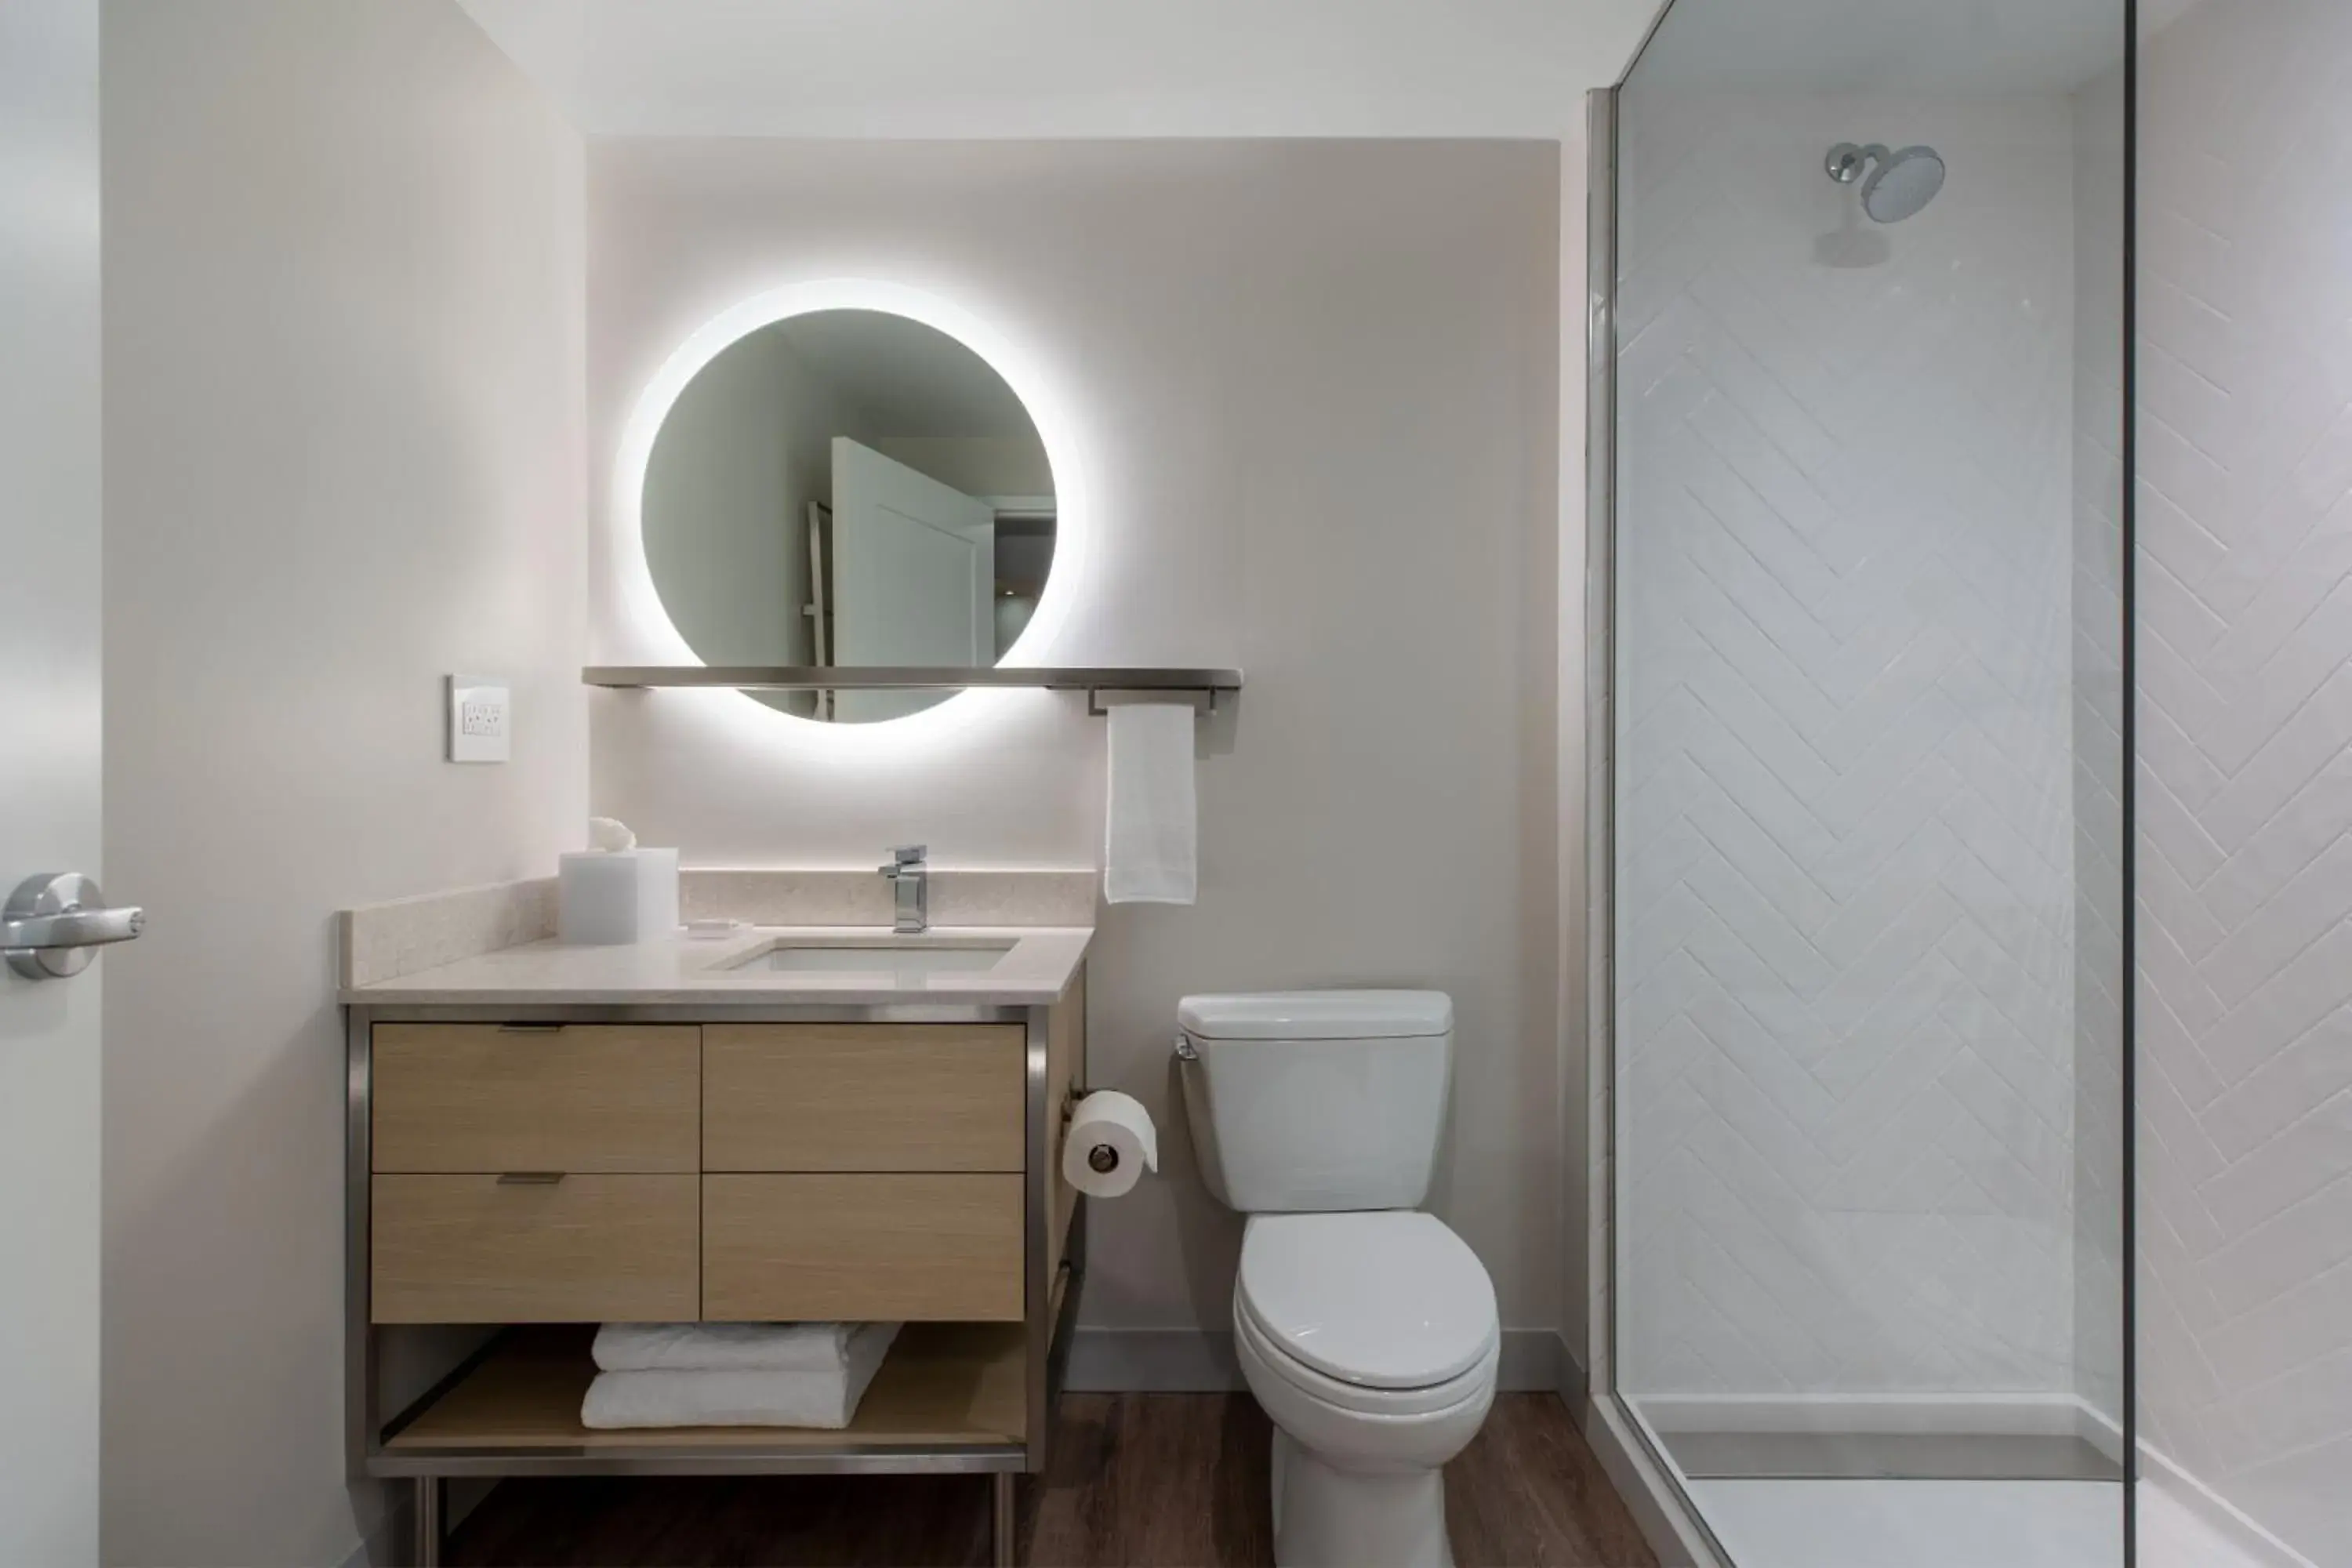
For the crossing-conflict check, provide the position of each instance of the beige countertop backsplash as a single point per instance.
(495, 944)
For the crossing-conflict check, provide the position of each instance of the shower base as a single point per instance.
(1917, 1524)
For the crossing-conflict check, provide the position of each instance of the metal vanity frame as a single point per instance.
(1048, 1330)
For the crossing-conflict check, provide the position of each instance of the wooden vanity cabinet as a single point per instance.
(582, 1249)
(459, 1098)
(535, 1175)
(863, 1097)
(585, 1165)
(738, 1173)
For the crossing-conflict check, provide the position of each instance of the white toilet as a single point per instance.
(1367, 1329)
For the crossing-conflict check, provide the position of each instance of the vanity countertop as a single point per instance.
(1036, 971)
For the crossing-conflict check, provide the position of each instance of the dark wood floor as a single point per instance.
(1174, 1480)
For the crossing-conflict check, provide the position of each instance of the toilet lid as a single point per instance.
(1385, 1300)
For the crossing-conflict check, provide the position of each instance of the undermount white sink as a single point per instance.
(902, 955)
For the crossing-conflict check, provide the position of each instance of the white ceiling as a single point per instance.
(956, 68)
(1069, 68)
(1838, 46)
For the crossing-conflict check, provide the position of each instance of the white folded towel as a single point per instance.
(719, 1347)
(737, 1397)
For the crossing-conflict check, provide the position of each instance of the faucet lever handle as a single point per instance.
(911, 854)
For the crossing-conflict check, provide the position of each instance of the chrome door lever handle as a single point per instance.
(51, 924)
(80, 927)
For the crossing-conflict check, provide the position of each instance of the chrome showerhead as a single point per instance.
(1898, 184)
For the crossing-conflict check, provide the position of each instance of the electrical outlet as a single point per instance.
(481, 719)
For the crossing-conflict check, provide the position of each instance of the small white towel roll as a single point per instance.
(1151, 836)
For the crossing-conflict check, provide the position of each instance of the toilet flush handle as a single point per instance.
(1185, 1050)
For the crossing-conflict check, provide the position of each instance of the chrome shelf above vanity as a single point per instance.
(1094, 680)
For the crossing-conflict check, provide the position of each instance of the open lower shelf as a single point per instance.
(942, 1386)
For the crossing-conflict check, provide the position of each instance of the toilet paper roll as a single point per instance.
(1110, 1144)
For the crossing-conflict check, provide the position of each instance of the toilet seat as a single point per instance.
(1257, 1350)
(1384, 1312)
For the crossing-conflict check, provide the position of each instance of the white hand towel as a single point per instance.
(1151, 838)
(824, 1399)
(720, 1347)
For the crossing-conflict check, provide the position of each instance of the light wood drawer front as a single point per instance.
(476, 1097)
(892, 1249)
(474, 1249)
(863, 1097)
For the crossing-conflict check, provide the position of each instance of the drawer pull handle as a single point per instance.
(529, 1026)
(531, 1178)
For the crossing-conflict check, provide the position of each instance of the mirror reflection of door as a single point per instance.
(849, 488)
(914, 576)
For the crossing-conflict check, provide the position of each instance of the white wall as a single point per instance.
(1844, 837)
(1316, 386)
(2245, 532)
(343, 363)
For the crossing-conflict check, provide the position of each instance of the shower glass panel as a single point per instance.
(1868, 1023)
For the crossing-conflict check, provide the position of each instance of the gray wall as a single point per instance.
(344, 274)
(1316, 385)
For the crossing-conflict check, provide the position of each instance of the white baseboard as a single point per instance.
(1200, 1360)
(1530, 1362)
(1570, 1380)
(1151, 1361)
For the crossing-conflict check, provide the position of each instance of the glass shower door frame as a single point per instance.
(1627, 1442)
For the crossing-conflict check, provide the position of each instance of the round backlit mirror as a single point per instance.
(848, 488)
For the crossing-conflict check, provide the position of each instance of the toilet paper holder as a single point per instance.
(1102, 1159)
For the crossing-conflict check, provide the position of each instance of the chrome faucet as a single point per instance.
(909, 871)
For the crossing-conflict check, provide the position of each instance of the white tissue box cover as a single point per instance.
(612, 897)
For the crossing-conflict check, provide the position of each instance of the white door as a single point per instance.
(48, 770)
(914, 576)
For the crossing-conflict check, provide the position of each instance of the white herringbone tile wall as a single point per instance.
(2245, 804)
(1845, 835)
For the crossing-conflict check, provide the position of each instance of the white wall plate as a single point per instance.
(481, 719)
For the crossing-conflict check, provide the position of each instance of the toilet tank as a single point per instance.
(1309, 1101)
